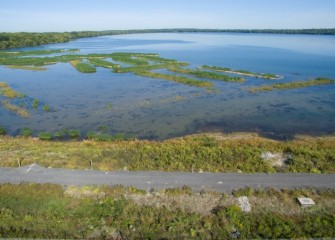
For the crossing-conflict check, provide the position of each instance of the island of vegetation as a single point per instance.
(241, 72)
(206, 74)
(136, 63)
(292, 85)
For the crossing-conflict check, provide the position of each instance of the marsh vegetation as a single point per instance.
(292, 85)
(241, 72)
(147, 65)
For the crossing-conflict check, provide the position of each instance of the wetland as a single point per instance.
(163, 85)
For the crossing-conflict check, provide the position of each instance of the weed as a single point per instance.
(46, 108)
(45, 136)
(26, 132)
(2, 131)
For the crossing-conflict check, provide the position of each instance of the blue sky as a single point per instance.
(77, 15)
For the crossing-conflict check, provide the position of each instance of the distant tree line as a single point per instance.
(25, 39)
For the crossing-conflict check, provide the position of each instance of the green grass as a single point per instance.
(45, 136)
(32, 68)
(46, 108)
(7, 91)
(205, 74)
(50, 211)
(211, 153)
(21, 111)
(292, 85)
(2, 131)
(175, 78)
(83, 67)
(241, 72)
(26, 132)
(103, 63)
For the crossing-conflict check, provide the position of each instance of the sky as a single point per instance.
(79, 15)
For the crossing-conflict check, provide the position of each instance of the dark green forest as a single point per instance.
(25, 39)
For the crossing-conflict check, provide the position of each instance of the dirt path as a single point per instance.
(222, 182)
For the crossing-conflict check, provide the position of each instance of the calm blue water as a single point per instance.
(159, 109)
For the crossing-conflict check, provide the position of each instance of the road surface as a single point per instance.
(222, 182)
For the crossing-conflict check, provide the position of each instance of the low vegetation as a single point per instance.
(50, 211)
(21, 111)
(205, 74)
(7, 91)
(136, 63)
(83, 67)
(103, 63)
(32, 68)
(241, 72)
(210, 153)
(292, 85)
(175, 78)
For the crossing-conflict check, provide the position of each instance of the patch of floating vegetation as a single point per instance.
(17, 107)
(270, 76)
(142, 64)
(206, 74)
(32, 68)
(21, 111)
(103, 63)
(175, 78)
(83, 67)
(7, 91)
(292, 85)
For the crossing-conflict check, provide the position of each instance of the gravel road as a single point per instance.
(222, 182)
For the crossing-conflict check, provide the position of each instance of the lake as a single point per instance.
(157, 109)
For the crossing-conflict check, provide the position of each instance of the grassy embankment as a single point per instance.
(50, 211)
(241, 72)
(212, 153)
(292, 85)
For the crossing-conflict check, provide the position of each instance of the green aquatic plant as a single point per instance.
(21, 111)
(292, 85)
(97, 62)
(59, 135)
(35, 103)
(7, 91)
(73, 133)
(26, 132)
(175, 78)
(32, 68)
(83, 67)
(108, 106)
(241, 72)
(46, 108)
(2, 131)
(45, 136)
(206, 74)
